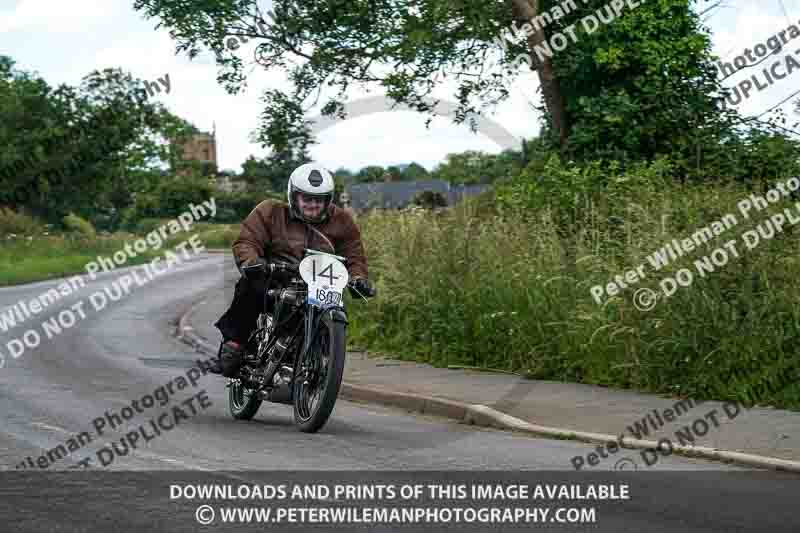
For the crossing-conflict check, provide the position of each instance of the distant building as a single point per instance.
(201, 148)
(400, 194)
(225, 183)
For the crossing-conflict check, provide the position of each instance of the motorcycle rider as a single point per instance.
(281, 232)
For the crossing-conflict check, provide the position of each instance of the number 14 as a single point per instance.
(328, 269)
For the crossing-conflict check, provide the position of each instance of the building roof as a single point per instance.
(398, 194)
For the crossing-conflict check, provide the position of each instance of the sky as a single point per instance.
(65, 40)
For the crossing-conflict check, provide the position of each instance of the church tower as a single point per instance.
(201, 148)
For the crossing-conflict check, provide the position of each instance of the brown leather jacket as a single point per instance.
(269, 232)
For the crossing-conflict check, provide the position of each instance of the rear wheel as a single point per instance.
(243, 402)
(320, 377)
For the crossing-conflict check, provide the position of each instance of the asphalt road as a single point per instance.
(125, 352)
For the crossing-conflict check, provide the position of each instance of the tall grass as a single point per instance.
(500, 292)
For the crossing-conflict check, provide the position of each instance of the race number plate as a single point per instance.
(326, 277)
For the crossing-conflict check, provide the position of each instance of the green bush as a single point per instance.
(503, 291)
(170, 198)
(429, 199)
(18, 223)
(233, 207)
(173, 197)
(226, 215)
(146, 225)
(76, 224)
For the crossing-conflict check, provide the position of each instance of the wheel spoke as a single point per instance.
(314, 373)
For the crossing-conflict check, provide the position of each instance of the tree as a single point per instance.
(415, 172)
(33, 120)
(639, 80)
(255, 172)
(170, 198)
(393, 173)
(470, 167)
(86, 149)
(343, 175)
(370, 174)
(289, 136)
(270, 173)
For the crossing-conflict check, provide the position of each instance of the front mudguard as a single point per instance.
(335, 314)
(330, 315)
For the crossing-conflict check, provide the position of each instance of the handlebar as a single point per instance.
(270, 268)
(279, 267)
(283, 267)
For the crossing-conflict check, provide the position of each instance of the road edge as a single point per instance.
(482, 415)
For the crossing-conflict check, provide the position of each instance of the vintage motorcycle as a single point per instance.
(297, 355)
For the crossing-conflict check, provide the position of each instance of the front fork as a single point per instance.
(314, 316)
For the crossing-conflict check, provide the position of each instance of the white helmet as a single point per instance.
(310, 179)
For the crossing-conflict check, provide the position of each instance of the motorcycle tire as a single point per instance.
(327, 358)
(243, 403)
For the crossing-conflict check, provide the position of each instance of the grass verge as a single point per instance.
(26, 259)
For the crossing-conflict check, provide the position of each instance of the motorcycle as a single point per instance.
(297, 355)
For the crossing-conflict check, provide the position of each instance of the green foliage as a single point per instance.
(146, 225)
(640, 88)
(343, 175)
(567, 187)
(171, 198)
(334, 43)
(754, 155)
(232, 208)
(472, 167)
(414, 172)
(85, 149)
(376, 173)
(288, 134)
(78, 225)
(18, 223)
(271, 175)
(370, 174)
(495, 292)
(429, 199)
(38, 258)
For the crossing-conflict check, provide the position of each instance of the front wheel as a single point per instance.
(320, 377)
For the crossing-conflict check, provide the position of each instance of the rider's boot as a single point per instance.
(230, 358)
(216, 366)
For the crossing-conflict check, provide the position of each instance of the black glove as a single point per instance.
(251, 262)
(364, 287)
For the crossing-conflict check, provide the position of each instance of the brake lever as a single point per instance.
(350, 285)
(252, 268)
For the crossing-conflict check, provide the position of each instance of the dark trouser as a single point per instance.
(240, 319)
